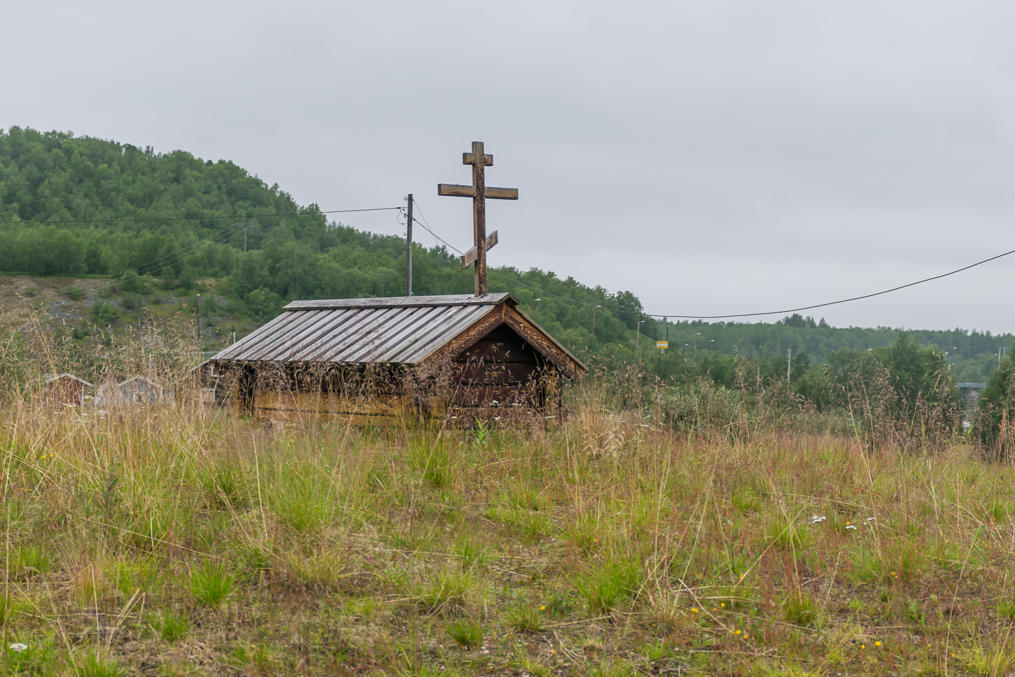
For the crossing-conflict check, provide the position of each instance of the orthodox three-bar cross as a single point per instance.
(480, 193)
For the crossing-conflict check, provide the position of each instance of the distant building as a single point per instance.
(970, 391)
(135, 391)
(66, 390)
(140, 390)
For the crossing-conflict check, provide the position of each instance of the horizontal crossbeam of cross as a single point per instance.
(458, 190)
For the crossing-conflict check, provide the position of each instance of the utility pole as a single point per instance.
(408, 247)
(245, 226)
(199, 322)
(594, 308)
(789, 363)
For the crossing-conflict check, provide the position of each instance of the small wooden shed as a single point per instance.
(458, 356)
(66, 390)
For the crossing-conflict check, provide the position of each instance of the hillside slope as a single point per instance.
(162, 228)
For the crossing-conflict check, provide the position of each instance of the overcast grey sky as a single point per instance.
(712, 157)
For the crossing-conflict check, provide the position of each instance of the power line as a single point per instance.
(833, 303)
(134, 219)
(429, 230)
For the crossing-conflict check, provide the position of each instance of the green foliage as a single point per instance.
(799, 608)
(169, 625)
(30, 560)
(609, 583)
(466, 632)
(103, 314)
(94, 665)
(995, 422)
(211, 584)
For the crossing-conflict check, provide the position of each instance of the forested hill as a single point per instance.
(79, 206)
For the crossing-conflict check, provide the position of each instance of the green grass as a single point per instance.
(170, 625)
(211, 584)
(466, 632)
(594, 546)
(606, 584)
(95, 665)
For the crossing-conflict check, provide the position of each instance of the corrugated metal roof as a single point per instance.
(402, 330)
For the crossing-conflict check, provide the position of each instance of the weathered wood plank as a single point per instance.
(494, 374)
(470, 158)
(456, 190)
(404, 302)
(494, 193)
(329, 403)
(469, 257)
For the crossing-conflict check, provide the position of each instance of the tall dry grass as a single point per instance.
(182, 539)
(652, 531)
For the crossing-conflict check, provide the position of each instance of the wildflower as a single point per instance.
(877, 643)
(722, 604)
(18, 647)
(542, 608)
(851, 527)
(694, 609)
(737, 632)
(817, 519)
(863, 646)
(742, 576)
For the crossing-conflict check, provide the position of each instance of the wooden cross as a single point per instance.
(479, 193)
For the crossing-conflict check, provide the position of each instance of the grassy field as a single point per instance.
(185, 541)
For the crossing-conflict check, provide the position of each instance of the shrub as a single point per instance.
(104, 313)
(74, 293)
(995, 420)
